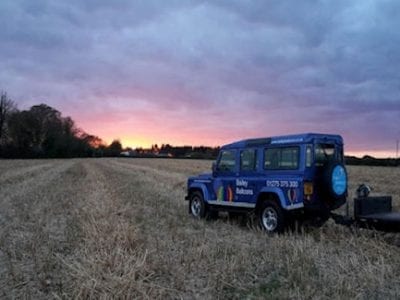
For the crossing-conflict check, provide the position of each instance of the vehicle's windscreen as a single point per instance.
(325, 153)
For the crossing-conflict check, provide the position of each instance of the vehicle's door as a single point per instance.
(246, 182)
(225, 175)
(283, 174)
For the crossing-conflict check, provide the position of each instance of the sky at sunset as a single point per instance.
(209, 72)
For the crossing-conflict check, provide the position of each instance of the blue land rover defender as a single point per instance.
(279, 178)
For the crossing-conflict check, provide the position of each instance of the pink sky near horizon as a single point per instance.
(146, 130)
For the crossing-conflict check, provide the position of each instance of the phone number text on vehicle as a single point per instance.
(282, 183)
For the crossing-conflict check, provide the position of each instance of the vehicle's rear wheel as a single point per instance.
(197, 206)
(271, 217)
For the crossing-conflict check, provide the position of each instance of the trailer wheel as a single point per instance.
(271, 217)
(197, 206)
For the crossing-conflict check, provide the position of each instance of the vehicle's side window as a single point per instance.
(309, 157)
(227, 161)
(248, 160)
(281, 158)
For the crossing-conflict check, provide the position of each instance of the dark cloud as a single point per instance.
(278, 67)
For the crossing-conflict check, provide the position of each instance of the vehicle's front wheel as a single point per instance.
(271, 217)
(197, 206)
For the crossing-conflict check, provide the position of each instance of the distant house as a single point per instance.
(129, 153)
(164, 154)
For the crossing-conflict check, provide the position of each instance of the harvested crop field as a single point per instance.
(120, 228)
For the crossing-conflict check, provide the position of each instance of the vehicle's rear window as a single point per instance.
(325, 153)
(286, 158)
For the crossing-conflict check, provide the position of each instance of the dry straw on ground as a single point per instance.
(119, 228)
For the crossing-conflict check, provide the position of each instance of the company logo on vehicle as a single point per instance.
(225, 194)
(339, 180)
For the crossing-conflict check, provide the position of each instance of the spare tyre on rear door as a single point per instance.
(334, 184)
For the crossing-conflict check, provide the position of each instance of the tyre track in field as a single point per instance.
(8, 165)
(108, 261)
(155, 202)
(26, 181)
(13, 176)
(144, 187)
(150, 189)
(147, 204)
(146, 199)
(174, 182)
(183, 166)
(159, 172)
(38, 224)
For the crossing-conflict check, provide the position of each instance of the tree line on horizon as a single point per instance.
(367, 160)
(42, 132)
(167, 150)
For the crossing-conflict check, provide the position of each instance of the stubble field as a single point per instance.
(120, 228)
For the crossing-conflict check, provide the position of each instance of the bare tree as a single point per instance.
(7, 106)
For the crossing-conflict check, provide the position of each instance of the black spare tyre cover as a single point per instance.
(335, 182)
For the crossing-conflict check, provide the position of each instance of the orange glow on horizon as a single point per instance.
(177, 140)
(146, 143)
(136, 143)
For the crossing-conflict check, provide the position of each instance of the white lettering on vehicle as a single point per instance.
(286, 140)
(242, 191)
(241, 187)
(282, 183)
(242, 182)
